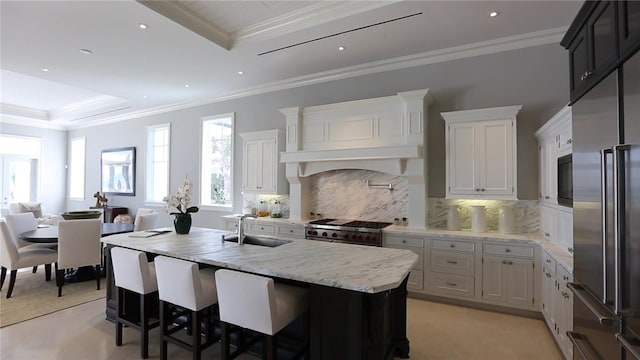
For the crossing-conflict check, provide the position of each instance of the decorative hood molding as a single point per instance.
(385, 134)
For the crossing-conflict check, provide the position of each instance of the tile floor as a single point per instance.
(436, 331)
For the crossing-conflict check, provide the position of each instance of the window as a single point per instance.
(19, 166)
(157, 176)
(217, 154)
(76, 169)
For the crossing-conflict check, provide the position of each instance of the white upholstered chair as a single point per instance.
(134, 273)
(12, 258)
(36, 209)
(20, 223)
(181, 283)
(78, 245)
(145, 221)
(257, 303)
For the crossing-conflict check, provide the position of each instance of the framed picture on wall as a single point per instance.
(118, 167)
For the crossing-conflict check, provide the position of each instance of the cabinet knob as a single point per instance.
(548, 261)
(404, 241)
(565, 278)
(482, 189)
(477, 189)
(507, 250)
(452, 245)
(569, 141)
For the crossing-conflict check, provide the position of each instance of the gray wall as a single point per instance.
(53, 174)
(535, 77)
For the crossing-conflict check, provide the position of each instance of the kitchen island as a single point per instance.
(357, 293)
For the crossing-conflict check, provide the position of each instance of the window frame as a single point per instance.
(149, 158)
(84, 170)
(217, 207)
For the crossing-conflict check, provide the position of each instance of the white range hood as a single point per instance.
(386, 134)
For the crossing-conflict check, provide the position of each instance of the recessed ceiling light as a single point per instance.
(340, 48)
(240, 72)
(186, 85)
(45, 69)
(144, 96)
(142, 26)
(86, 51)
(494, 13)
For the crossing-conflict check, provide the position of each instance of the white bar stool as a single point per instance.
(133, 272)
(182, 284)
(257, 303)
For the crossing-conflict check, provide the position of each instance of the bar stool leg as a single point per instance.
(120, 306)
(226, 339)
(164, 317)
(144, 327)
(270, 349)
(196, 328)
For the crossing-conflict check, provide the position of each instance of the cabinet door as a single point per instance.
(548, 221)
(629, 26)
(578, 62)
(495, 156)
(549, 171)
(269, 162)
(252, 165)
(520, 282)
(564, 229)
(601, 26)
(548, 297)
(462, 161)
(494, 279)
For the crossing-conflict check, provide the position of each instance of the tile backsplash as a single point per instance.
(344, 194)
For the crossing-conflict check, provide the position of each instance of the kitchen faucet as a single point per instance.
(241, 227)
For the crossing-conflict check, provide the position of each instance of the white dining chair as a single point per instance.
(257, 303)
(12, 258)
(145, 221)
(78, 245)
(20, 223)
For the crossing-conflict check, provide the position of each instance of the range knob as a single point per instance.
(334, 235)
(314, 232)
(325, 234)
(353, 236)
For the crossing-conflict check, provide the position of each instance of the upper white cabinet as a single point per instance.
(554, 140)
(481, 153)
(261, 171)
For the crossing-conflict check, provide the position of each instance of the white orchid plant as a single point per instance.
(181, 199)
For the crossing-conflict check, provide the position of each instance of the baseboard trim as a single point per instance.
(477, 305)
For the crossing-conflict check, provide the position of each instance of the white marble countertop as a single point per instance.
(562, 256)
(268, 219)
(353, 267)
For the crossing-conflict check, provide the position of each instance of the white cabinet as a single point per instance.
(452, 269)
(557, 302)
(507, 279)
(417, 245)
(481, 153)
(548, 222)
(554, 140)
(261, 170)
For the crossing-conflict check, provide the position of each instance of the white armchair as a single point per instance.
(12, 258)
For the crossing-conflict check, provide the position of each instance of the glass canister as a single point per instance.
(263, 209)
(276, 209)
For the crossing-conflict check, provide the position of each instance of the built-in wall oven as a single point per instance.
(565, 180)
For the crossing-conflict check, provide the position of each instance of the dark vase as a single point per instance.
(182, 223)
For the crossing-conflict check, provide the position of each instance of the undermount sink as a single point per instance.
(260, 241)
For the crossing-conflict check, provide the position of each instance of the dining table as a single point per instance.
(49, 234)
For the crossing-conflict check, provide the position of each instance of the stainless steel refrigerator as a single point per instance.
(606, 213)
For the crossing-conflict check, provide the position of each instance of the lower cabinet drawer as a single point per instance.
(452, 262)
(451, 285)
(263, 229)
(508, 250)
(292, 231)
(416, 280)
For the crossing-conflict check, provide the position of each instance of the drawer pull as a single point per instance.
(452, 245)
(451, 262)
(290, 231)
(548, 261)
(507, 250)
(451, 284)
(546, 234)
(404, 241)
(505, 262)
(565, 278)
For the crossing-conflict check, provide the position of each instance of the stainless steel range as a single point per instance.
(346, 231)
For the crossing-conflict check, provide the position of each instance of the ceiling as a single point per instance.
(133, 72)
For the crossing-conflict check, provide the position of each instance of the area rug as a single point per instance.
(33, 297)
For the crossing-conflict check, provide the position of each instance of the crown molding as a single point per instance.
(30, 122)
(538, 38)
(316, 14)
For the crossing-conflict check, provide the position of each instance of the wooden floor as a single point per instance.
(436, 331)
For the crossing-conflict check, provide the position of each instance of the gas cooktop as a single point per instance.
(346, 231)
(351, 223)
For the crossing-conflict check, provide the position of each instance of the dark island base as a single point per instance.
(344, 324)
